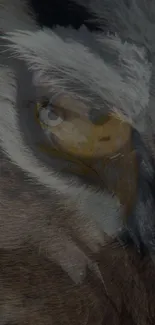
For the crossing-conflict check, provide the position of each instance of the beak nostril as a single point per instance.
(105, 138)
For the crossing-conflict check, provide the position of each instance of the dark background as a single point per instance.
(65, 13)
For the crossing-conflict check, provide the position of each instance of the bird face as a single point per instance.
(103, 150)
(77, 135)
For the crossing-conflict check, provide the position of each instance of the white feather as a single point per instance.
(16, 14)
(70, 66)
(133, 19)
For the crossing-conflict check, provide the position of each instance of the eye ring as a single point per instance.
(42, 115)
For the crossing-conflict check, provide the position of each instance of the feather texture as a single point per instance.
(71, 67)
(14, 14)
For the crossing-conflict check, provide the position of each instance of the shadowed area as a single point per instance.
(36, 291)
(62, 13)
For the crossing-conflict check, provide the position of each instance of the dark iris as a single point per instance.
(52, 115)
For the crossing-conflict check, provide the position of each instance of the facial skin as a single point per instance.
(77, 135)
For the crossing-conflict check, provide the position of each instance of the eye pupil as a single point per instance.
(49, 116)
